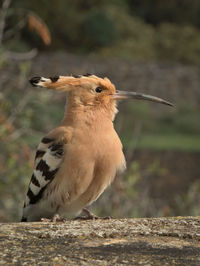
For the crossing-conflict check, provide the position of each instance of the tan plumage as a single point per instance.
(76, 161)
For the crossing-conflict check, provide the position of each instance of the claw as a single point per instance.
(56, 218)
(90, 216)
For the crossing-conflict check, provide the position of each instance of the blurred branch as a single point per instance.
(17, 134)
(24, 131)
(11, 32)
(21, 56)
(3, 12)
(18, 109)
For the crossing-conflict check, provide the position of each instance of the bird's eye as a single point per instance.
(98, 89)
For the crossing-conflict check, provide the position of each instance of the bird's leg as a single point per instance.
(87, 215)
(56, 218)
(90, 216)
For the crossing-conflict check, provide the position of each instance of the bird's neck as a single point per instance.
(78, 114)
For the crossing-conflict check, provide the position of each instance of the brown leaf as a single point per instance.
(37, 24)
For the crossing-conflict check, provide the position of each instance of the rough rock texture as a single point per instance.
(156, 241)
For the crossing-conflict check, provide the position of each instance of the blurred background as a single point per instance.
(149, 46)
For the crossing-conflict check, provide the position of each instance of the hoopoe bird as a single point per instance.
(78, 160)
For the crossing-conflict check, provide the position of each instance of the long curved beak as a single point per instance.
(120, 95)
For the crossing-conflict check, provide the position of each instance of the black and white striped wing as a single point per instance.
(48, 158)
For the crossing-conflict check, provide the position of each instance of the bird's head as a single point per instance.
(90, 90)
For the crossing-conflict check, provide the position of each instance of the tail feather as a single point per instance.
(24, 219)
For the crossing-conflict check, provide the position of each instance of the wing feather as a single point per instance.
(48, 158)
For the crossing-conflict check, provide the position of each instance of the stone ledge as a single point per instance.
(168, 241)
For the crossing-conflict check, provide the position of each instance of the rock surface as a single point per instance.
(153, 241)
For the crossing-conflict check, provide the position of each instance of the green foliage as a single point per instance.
(137, 39)
(168, 142)
(99, 30)
(176, 129)
(132, 179)
(173, 11)
(178, 43)
(116, 28)
(188, 203)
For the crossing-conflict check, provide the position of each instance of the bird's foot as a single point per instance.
(56, 218)
(87, 215)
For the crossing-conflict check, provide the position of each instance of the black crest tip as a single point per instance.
(87, 74)
(34, 81)
(54, 79)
